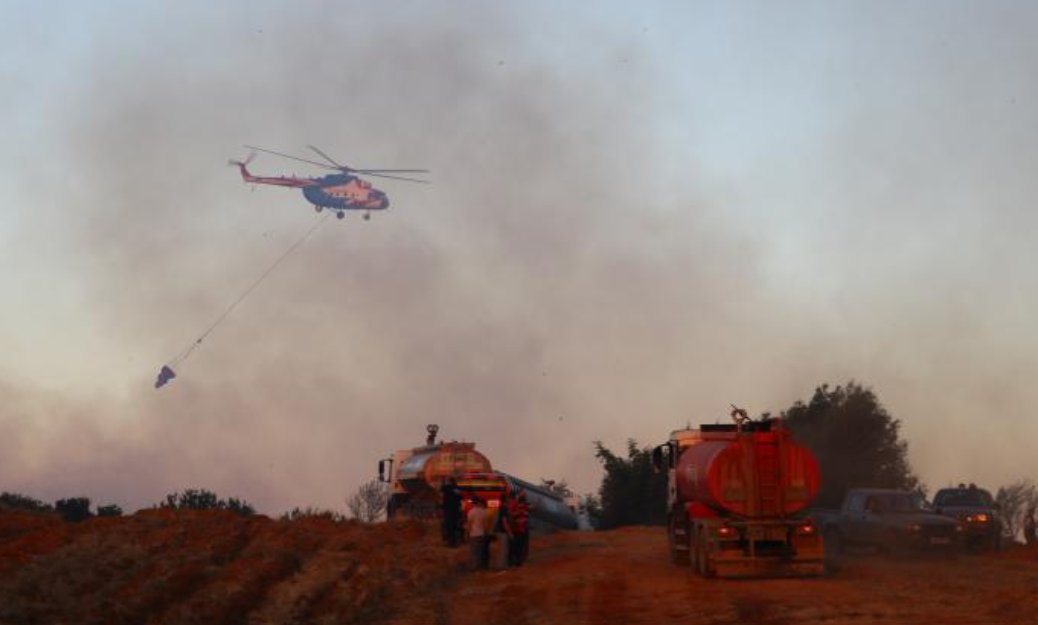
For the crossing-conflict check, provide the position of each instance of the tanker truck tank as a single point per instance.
(415, 475)
(754, 474)
(548, 511)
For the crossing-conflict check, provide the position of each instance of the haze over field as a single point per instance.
(639, 215)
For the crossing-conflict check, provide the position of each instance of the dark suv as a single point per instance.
(977, 510)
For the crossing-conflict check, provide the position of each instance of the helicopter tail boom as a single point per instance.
(277, 181)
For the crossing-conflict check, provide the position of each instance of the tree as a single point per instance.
(239, 506)
(855, 439)
(201, 499)
(591, 508)
(193, 499)
(73, 509)
(368, 504)
(1016, 500)
(632, 493)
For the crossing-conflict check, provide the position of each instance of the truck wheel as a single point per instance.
(702, 559)
(897, 546)
(833, 545)
(677, 555)
(832, 541)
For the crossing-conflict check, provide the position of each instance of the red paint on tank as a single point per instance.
(748, 474)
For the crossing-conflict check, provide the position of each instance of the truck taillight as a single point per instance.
(727, 532)
(807, 529)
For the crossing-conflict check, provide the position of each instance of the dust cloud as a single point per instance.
(557, 284)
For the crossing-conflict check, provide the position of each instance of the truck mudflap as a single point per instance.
(735, 564)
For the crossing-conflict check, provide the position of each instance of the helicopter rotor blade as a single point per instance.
(331, 160)
(295, 158)
(348, 170)
(353, 171)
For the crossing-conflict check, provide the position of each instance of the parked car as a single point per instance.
(977, 510)
(892, 521)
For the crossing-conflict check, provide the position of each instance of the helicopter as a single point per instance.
(339, 192)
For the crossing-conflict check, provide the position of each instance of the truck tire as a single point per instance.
(895, 546)
(832, 542)
(702, 559)
(678, 555)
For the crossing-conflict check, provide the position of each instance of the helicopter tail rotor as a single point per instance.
(248, 159)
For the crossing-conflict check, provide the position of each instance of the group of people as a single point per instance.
(510, 527)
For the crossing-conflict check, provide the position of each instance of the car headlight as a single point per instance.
(978, 518)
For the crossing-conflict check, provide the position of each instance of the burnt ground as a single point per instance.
(216, 568)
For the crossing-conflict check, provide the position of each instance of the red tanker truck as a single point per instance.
(736, 498)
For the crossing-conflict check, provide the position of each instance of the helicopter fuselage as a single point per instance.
(345, 192)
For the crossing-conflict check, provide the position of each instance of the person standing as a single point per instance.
(519, 516)
(476, 531)
(502, 534)
(450, 500)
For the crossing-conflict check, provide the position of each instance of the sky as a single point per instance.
(639, 214)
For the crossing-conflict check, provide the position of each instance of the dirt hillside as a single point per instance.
(218, 568)
(212, 567)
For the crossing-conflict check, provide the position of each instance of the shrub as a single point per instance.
(111, 510)
(15, 501)
(201, 499)
(74, 509)
(312, 513)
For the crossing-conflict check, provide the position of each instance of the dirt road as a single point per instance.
(624, 577)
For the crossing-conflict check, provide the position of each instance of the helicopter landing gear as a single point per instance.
(367, 216)
(340, 214)
(318, 208)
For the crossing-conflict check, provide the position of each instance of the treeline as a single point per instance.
(73, 509)
(77, 509)
(856, 440)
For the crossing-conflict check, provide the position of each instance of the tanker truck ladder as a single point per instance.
(769, 478)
